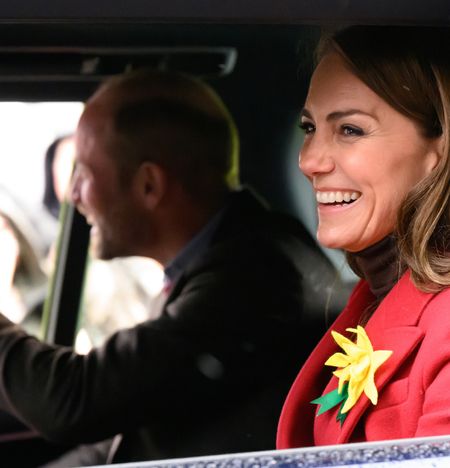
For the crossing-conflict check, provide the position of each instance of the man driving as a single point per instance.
(156, 175)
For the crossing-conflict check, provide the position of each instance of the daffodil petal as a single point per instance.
(379, 357)
(346, 344)
(343, 376)
(340, 339)
(351, 349)
(371, 390)
(360, 369)
(338, 360)
(362, 340)
(348, 405)
(355, 390)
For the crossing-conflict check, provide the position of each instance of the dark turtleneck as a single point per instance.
(378, 265)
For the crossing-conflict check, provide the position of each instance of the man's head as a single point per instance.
(153, 149)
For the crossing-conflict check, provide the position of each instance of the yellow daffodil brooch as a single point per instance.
(356, 371)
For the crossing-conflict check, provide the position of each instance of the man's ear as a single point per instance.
(151, 184)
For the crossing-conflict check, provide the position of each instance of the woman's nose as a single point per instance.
(316, 158)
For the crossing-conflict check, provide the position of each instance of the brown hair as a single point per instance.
(175, 121)
(410, 69)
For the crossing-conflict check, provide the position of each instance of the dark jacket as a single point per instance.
(210, 374)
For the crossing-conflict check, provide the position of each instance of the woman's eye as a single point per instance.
(307, 127)
(350, 130)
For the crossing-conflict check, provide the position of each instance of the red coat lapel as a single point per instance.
(392, 327)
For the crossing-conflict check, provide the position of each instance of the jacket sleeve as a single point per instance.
(435, 361)
(233, 328)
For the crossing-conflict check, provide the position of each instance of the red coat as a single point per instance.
(413, 384)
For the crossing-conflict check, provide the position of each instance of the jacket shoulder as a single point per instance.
(437, 311)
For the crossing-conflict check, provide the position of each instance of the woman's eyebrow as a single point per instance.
(305, 113)
(336, 115)
(340, 114)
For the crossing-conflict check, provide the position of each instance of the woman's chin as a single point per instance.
(331, 240)
(339, 241)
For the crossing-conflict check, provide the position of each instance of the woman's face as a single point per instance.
(361, 156)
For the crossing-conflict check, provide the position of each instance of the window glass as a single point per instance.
(28, 228)
(117, 294)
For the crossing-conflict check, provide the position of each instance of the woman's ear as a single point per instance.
(434, 154)
(150, 184)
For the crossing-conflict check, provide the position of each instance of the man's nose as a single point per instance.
(316, 157)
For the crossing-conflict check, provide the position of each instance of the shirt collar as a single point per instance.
(193, 249)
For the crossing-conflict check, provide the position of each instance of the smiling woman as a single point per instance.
(376, 150)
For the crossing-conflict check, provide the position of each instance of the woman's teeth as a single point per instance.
(337, 197)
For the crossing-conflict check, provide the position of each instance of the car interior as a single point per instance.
(257, 55)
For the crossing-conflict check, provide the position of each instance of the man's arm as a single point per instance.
(233, 329)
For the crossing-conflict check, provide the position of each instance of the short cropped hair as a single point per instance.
(177, 122)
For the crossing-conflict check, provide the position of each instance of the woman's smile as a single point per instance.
(336, 201)
(331, 197)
